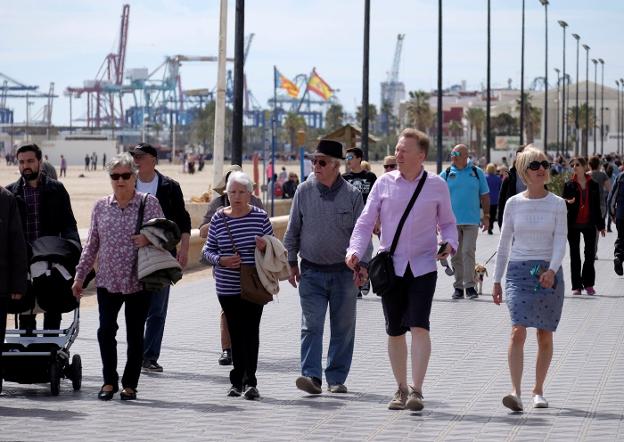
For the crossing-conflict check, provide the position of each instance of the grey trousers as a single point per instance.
(464, 260)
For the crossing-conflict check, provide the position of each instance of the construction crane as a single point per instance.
(393, 90)
(12, 88)
(107, 89)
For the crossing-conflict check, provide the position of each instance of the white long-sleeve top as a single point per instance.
(532, 229)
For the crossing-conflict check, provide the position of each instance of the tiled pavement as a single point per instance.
(466, 380)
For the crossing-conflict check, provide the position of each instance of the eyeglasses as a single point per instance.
(535, 165)
(321, 163)
(456, 153)
(126, 176)
(390, 166)
(349, 157)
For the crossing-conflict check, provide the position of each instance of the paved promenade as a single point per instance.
(466, 381)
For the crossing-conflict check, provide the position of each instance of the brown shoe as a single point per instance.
(398, 401)
(414, 400)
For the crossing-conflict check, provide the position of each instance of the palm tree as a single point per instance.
(419, 112)
(292, 123)
(582, 114)
(455, 130)
(334, 117)
(372, 116)
(532, 122)
(476, 118)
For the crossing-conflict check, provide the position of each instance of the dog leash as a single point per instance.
(490, 258)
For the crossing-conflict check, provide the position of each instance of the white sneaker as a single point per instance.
(513, 402)
(539, 401)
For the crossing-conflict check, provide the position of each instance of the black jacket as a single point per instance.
(13, 259)
(508, 189)
(55, 213)
(571, 190)
(171, 201)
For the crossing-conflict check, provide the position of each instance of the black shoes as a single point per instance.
(152, 367)
(458, 294)
(226, 357)
(617, 266)
(107, 395)
(251, 393)
(235, 391)
(471, 293)
(309, 385)
(128, 394)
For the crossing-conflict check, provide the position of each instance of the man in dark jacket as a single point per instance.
(45, 210)
(13, 260)
(171, 201)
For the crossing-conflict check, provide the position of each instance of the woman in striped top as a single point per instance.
(247, 225)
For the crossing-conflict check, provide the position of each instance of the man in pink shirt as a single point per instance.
(408, 307)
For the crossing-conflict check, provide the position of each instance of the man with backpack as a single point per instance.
(469, 193)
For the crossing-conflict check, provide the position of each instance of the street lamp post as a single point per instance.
(557, 101)
(522, 103)
(595, 125)
(621, 122)
(617, 83)
(365, 69)
(586, 143)
(601, 61)
(440, 120)
(564, 122)
(576, 111)
(488, 109)
(545, 3)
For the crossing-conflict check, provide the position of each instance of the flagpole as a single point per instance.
(219, 131)
(305, 93)
(273, 135)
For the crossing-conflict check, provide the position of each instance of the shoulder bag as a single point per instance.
(252, 289)
(381, 267)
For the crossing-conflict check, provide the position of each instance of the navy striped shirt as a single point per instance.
(244, 231)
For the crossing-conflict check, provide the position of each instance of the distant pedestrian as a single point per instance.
(290, 186)
(63, 166)
(87, 160)
(322, 217)
(104, 160)
(510, 186)
(469, 193)
(234, 234)
(582, 195)
(494, 181)
(407, 308)
(48, 169)
(356, 175)
(112, 243)
(389, 163)
(531, 248)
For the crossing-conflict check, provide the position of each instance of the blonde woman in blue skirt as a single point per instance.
(531, 248)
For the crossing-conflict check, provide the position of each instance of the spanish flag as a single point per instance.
(282, 82)
(317, 85)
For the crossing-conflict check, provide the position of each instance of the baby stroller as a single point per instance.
(41, 356)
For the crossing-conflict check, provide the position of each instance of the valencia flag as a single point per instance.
(282, 82)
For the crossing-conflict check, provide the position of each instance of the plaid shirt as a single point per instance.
(33, 225)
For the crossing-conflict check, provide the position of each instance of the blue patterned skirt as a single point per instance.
(529, 305)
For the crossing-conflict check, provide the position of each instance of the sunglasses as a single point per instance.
(126, 176)
(535, 165)
(321, 163)
(456, 153)
(349, 157)
(390, 166)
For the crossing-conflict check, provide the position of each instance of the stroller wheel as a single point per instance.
(55, 378)
(76, 372)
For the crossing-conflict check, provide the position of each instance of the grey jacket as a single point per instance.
(321, 222)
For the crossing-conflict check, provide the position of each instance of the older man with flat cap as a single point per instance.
(323, 214)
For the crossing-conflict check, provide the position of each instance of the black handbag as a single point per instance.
(381, 267)
(252, 289)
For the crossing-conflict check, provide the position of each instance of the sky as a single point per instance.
(65, 42)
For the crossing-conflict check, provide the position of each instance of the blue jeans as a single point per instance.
(155, 324)
(316, 291)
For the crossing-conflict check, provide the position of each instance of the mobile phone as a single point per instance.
(442, 247)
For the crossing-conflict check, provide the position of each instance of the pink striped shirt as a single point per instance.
(418, 243)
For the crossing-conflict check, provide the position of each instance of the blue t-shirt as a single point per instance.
(494, 183)
(466, 189)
